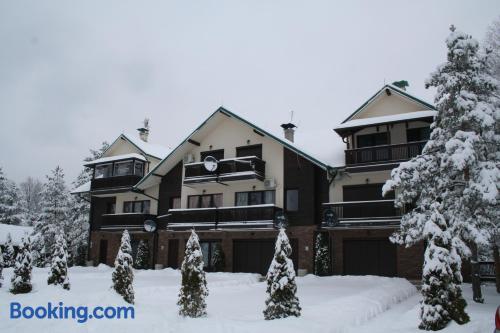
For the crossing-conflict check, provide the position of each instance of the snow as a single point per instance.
(387, 119)
(84, 188)
(116, 158)
(235, 303)
(151, 149)
(16, 232)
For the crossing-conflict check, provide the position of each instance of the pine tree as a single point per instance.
(282, 300)
(31, 200)
(218, 258)
(59, 268)
(454, 182)
(1, 267)
(322, 256)
(194, 285)
(54, 217)
(10, 208)
(21, 278)
(123, 275)
(9, 256)
(142, 256)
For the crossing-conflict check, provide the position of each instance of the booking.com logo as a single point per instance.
(79, 313)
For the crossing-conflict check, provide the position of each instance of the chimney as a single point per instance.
(144, 131)
(289, 130)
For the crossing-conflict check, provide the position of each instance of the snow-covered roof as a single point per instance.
(148, 148)
(116, 158)
(386, 119)
(16, 233)
(84, 188)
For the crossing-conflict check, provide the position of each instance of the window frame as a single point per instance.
(287, 209)
(199, 196)
(248, 194)
(255, 146)
(145, 208)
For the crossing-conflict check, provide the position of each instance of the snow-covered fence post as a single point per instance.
(123, 275)
(194, 284)
(21, 279)
(282, 300)
(59, 268)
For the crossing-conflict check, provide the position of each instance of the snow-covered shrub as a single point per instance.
(142, 255)
(1, 268)
(194, 284)
(321, 255)
(218, 259)
(21, 278)
(58, 274)
(9, 256)
(282, 300)
(123, 275)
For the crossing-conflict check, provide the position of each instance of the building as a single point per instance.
(231, 180)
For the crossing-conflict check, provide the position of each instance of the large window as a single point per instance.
(103, 171)
(251, 150)
(254, 198)
(139, 168)
(370, 140)
(205, 201)
(175, 202)
(292, 200)
(136, 206)
(418, 134)
(208, 249)
(123, 168)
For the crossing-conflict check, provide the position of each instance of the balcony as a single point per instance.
(131, 221)
(240, 168)
(365, 213)
(258, 216)
(114, 182)
(385, 153)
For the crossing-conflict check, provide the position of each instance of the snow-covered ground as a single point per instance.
(235, 304)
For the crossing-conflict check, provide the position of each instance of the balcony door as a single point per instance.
(367, 192)
(375, 154)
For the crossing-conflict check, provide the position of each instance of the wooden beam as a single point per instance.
(196, 143)
(258, 133)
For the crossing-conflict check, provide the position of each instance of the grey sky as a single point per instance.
(75, 74)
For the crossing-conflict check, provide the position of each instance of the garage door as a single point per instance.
(369, 257)
(255, 255)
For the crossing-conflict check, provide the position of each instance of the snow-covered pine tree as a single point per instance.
(9, 256)
(31, 200)
(142, 255)
(194, 284)
(58, 274)
(1, 267)
(10, 208)
(55, 212)
(218, 258)
(321, 255)
(453, 184)
(123, 275)
(21, 278)
(282, 300)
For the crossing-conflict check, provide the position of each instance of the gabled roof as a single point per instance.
(393, 89)
(176, 154)
(149, 149)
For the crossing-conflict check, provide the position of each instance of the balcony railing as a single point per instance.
(114, 182)
(240, 168)
(385, 153)
(376, 210)
(222, 217)
(125, 220)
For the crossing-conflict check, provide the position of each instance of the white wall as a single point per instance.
(389, 105)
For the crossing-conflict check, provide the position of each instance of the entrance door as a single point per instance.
(173, 253)
(103, 251)
(369, 257)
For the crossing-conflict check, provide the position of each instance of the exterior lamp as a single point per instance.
(331, 218)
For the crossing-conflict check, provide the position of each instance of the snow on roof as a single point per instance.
(116, 158)
(16, 232)
(148, 148)
(84, 188)
(387, 119)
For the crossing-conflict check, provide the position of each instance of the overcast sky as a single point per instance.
(73, 74)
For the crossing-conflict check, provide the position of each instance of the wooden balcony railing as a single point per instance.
(222, 216)
(250, 167)
(364, 209)
(113, 182)
(124, 220)
(385, 153)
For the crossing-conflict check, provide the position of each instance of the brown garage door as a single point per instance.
(255, 255)
(369, 257)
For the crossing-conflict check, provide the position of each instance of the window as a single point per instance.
(139, 168)
(110, 208)
(218, 154)
(418, 134)
(292, 200)
(175, 203)
(136, 206)
(252, 150)
(123, 168)
(208, 249)
(370, 140)
(254, 198)
(103, 171)
(205, 201)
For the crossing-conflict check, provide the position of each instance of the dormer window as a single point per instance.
(130, 167)
(124, 168)
(103, 171)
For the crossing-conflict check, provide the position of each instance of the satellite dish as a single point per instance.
(149, 225)
(210, 163)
